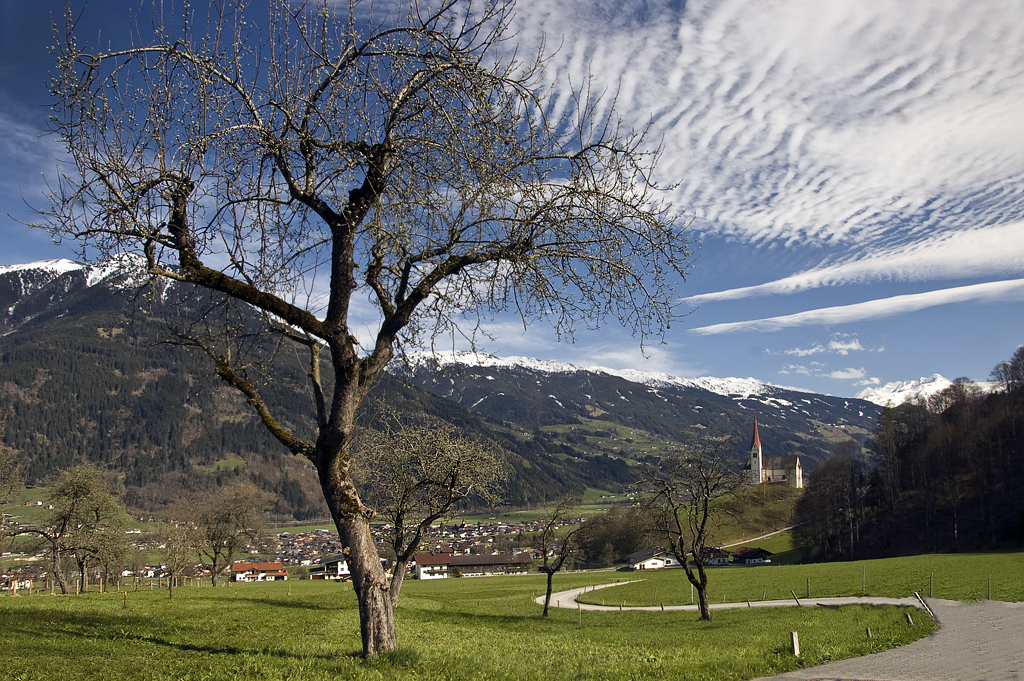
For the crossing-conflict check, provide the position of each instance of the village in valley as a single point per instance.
(462, 549)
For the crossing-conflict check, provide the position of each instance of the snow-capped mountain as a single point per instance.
(728, 387)
(898, 392)
(29, 290)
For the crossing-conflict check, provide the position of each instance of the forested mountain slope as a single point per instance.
(84, 376)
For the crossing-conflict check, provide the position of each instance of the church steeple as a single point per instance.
(756, 465)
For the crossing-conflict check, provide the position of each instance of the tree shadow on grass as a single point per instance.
(129, 629)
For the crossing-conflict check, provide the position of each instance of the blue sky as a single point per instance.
(855, 171)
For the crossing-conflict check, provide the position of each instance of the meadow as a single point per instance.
(961, 577)
(484, 628)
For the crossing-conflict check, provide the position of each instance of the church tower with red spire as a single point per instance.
(785, 470)
(755, 467)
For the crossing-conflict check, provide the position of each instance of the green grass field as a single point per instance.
(962, 577)
(452, 629)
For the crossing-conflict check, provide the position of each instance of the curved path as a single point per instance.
(982, 641)
(567, 599)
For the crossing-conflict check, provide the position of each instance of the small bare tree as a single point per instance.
(684, 486)
(557, 541)
(226, 520)
(179, 536)
(10, 484)
(295, 169)
(414, 474)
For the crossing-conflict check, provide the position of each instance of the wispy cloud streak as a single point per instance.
(978, 252)
(996, 291)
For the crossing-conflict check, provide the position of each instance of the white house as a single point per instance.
(333, 568)
(652, 559)
(258, 572)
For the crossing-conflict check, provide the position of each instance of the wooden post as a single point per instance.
(910, 621)
(931, 583)
(990, 587)
(808, 587)
(794, 597)
(580, 609)
(125, 606)
(864, 580)
(869, 632)
(795, 641)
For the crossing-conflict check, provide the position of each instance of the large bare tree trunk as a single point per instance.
(376, 613)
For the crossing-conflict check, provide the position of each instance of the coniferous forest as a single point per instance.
(948, 476)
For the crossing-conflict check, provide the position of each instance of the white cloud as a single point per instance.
(984, 251)
(844, 345)
(869, 381)
(996, 291)
(840, 344)
(850, 124)
(848, 373)
(816, 349)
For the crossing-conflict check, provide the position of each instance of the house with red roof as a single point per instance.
(258, 572)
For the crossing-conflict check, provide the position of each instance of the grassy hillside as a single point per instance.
(451, 629)
(952, 576)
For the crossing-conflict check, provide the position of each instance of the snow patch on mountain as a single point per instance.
(54, 267)
(732, 387)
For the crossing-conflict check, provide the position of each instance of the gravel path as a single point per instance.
(982, 641)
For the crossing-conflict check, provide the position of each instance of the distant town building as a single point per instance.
(773, 469)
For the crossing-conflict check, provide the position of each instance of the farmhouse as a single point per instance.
(258, 572)
(746, 555)
(441, 565)
(651, 559)
(432, 565)
(772, 469)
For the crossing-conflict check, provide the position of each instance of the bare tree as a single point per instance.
(303, 166)
(10, 483)
(226, 520)
(414, 474)
(558, 541)
(684, 487)
(10, 478)
(179, 537)
(87, 521)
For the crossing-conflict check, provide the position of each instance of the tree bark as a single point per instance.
(397, 577)
(376, 613)
(57, 573)
(547, 594)
(700, 583)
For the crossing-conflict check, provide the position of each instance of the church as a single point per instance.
(784, 470)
